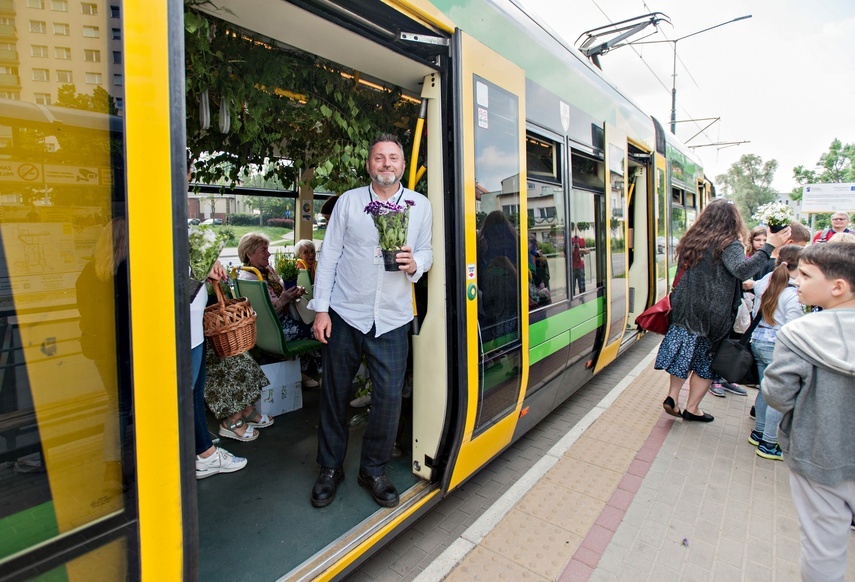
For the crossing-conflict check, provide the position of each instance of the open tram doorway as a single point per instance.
(326, 67)
(639, 253)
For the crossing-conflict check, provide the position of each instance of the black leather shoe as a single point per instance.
(323, 493)
(382, 490)
(705, 417)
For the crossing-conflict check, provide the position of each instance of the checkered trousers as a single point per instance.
(386, 357)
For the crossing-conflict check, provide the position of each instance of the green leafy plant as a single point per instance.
(391, 221)
(279, 104)
(285, 264)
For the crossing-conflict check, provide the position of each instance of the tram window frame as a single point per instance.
(544, 289)
(542, 153)
(679, 219)
(498, 251)
(587, 179)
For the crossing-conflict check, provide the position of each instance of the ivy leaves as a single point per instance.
(283, 104)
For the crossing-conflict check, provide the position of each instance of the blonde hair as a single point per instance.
(842, 238)
(249, 243)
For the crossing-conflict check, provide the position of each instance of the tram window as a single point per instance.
(67, 457)
(661, 216)
(497, 167)
(542, 163)
(586, 213)
(677, 196)
(678, 229)
(547, 268)
(587, 173)
(690, 200)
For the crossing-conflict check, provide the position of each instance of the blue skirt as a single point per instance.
(682, 352)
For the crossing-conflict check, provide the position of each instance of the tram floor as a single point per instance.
(258, 523)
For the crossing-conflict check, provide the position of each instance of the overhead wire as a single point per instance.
(652, 72)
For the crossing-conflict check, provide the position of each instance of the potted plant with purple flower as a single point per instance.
(775, 215)
(391, 221)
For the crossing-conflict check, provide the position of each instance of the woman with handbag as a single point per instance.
(778, 301)
(704, 303)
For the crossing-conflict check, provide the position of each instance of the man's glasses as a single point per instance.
(838, 219)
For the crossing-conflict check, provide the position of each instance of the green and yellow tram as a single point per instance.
(100, 102)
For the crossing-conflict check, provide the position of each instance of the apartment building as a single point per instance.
(48, 44)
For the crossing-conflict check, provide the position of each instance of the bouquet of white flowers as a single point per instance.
(205, 247)
(775, 215)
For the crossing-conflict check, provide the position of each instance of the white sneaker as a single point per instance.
(361, 401)
(221, 461)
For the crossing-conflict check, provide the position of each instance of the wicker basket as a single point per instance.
(229, 324)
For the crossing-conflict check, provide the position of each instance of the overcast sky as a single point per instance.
(783, 80)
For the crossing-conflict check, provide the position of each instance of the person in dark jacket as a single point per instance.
(704, 303)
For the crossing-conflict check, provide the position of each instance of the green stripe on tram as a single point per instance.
(27, 528)
(557, 332)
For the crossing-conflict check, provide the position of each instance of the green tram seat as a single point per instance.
(269, 337)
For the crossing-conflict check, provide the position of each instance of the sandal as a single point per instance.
(257, 420)
(228, 431)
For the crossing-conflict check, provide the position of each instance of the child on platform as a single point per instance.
(811, 380)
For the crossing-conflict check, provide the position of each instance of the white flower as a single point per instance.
(774, 214)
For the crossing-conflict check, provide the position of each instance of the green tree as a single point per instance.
(748, 183)
(837, 165)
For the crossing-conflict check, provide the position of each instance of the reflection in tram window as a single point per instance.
(547, 268)
(66, 459)
(586, 202)
(497, 167)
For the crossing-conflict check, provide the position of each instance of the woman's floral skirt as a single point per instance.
(682, 352)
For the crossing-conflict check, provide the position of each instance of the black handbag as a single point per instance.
(733, 359)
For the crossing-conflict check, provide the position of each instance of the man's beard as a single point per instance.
(386, 178)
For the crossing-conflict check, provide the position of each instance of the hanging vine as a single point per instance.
(249, 100)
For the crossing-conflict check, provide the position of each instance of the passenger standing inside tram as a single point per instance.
(362, 309)
(703, 303)
(210, 460)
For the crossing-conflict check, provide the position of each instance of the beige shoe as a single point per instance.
(309, 382)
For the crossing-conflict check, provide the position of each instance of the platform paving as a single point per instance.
(608, 487)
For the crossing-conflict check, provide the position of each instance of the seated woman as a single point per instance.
(305, 252)
(254, 251)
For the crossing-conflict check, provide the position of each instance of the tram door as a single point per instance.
(67, 470)
(490, 103)
(617, 257)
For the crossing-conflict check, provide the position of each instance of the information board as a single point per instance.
(828, 198)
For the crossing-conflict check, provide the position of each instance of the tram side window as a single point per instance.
(661, 214)
(586, 204)
(497, 172)
(679, 223)
(547, 265)
(66, 401)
